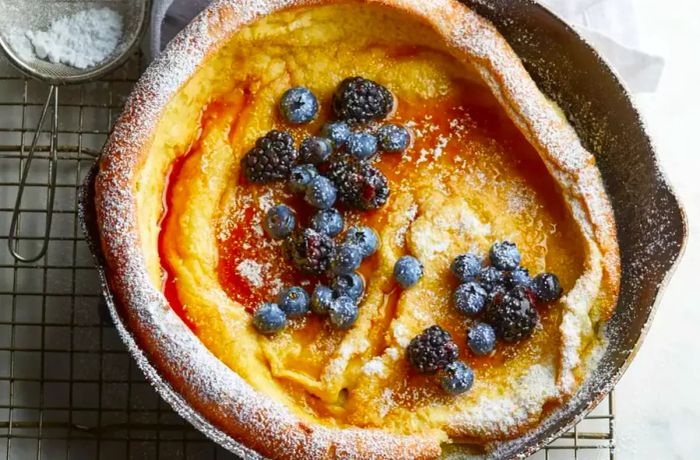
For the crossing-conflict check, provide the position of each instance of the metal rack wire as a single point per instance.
(68, 387)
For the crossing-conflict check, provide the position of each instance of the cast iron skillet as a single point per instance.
(650, 221)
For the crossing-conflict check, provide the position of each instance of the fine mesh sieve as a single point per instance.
(38, 15)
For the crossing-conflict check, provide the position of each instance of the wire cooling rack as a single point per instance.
(68, 387)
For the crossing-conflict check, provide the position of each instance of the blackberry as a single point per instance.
(546, 287)
(513, 317)
(358, 100)
(496, 294)
(432, 350)
(271, 159)
(310, 251)
(360, 185)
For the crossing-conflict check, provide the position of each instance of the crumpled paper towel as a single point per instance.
(609, 25)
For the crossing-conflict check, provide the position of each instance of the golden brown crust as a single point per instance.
(212, 389)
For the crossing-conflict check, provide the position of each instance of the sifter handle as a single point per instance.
(13, 238)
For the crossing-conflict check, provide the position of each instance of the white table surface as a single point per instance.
(658, 399)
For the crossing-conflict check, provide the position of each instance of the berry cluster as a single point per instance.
(329, 169)
(503, 294)
(333, 166)
(315, 251)
(434, 350)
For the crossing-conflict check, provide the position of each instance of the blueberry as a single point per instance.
(315, 150)
(294, 301)
(393, 138)
(470, 298)
(298, 105)
(300, 177)
(466, 267)
(456, 378)
(361, 145)
(518, 277)
(328, 221)
(347, 259)
(343, 312)
(481, 339)
(280, 221)
(364, 237)
(351, 285)
(269, 318)
(337, 132)
(490, 278)
(546, 287)
(320, 193)
(407, 271)
(504, 255)
(321, 299)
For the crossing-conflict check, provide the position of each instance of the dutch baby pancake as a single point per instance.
(356, 229)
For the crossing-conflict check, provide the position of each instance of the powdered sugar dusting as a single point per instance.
(266, 201)
(375, 367)
(520, 199)
(251, 271)
(387, 402)
(523, 402)
(402, 334)
(400, 236)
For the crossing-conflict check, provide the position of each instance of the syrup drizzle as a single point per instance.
(169, 279)
(169, 286)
